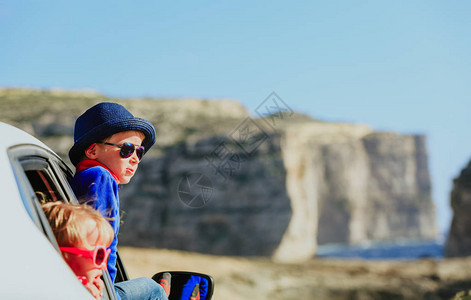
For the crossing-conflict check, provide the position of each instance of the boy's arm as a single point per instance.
(98, 188)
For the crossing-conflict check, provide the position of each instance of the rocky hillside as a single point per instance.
(459, 238)
(221, 182)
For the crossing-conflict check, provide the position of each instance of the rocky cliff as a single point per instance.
(221, 182)
(357, 184)
(459, 237)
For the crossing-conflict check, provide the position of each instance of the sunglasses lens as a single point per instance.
(100, 256)
(140, 152)
(126, 150)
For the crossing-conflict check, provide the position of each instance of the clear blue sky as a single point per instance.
(401, 66)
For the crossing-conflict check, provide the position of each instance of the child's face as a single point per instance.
(123, 168)
(82, 265)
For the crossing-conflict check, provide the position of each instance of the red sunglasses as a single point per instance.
(99, 254)
(127, 149)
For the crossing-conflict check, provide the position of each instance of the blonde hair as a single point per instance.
(66, 221)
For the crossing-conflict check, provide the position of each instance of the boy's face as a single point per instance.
(123, 168)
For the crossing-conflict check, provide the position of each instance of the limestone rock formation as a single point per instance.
(459, 237)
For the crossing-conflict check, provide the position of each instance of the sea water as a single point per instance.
(397, 250)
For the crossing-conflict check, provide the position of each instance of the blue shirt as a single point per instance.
(97, 187)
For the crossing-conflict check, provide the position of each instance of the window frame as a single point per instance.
(59, 173)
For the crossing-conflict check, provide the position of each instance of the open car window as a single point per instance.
(42, 177)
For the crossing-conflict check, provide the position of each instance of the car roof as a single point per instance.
(12, 136)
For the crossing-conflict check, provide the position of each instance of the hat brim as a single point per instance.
(109, 128)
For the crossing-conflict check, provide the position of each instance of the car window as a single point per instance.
(42, 177)
(36, 183)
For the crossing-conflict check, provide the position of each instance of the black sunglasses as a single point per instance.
(127, 149)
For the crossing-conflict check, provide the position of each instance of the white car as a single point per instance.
(31, 263)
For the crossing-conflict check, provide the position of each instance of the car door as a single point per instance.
(42, 176)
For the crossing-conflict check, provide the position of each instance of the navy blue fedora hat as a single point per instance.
(104, 120)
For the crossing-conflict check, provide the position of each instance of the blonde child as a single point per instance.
(83, 236)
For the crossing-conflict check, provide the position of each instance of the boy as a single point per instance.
(109, 143)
